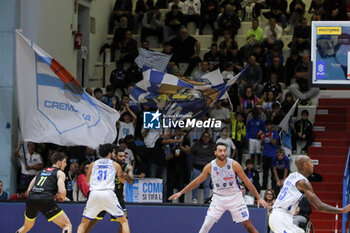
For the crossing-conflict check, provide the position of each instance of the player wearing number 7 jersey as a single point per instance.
(295, 186)
(45, 186)
(101, 176)
(227, 192)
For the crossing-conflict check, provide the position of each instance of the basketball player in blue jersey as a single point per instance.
(227, 192)
(295, 186)
(101, 176)
(45, 187)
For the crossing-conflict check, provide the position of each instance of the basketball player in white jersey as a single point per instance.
(227, 192)
(295, 186)
(101, 176)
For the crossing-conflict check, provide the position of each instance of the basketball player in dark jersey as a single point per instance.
(120, 158)
(46, 186)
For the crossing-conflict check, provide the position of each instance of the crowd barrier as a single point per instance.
(145, 218)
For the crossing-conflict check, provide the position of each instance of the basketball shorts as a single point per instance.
(282, 222)
(44, 203)
(233, 203)
(254, 146)
(100, 200)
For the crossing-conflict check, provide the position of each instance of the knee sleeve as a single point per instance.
(207, 225)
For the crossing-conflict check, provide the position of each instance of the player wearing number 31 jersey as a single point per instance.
(101, 176)
(295, 186)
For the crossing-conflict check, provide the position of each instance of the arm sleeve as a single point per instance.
(82, 185)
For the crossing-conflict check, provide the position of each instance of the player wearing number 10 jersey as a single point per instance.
(45, 186)
(295, 186)
(101, 176)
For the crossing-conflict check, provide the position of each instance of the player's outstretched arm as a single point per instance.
(305, 187)
(194, 183)
(61, 186)
(239, 171)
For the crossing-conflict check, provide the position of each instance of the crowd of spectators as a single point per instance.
(250, 114)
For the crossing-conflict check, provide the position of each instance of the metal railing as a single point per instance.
(346, 191)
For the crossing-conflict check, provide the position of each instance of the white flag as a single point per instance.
(53, 107)
(150, 59)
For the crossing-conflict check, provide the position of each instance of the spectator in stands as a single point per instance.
(119, 35)
(296, 10)
(81, 187)
(254, 126)
(260, 56)
(301, 89)
(227, 21)
(238, 133)
(20, 195)
(31, 162)
(71, 177)
(280, 170)
(204, 69)
(230, 146)
(248, 101)
(277, 114)
(177, 169)
(303, 131)
(249, 200)
(213, 57)
(117, 77)
(128, 48)
(142, 7)
(233, 56)
(126, 126)
(252, 77)
(162, 4)
(90, 155)
(152, 25)
(252, 174)
(316, 6)
(178, 3)
(3, 194)
(150, 137)
(109, 98)
(202, 152)
(220, 113)
(255, 35)
(138, 149)
(123, 145)
(273, 34)
(98, 93)
(270, 141)
(269, 197)
(274, 86)
(192, 11)
(291, 64)
(302, 37)
(288, 102)
(302, 213)
(209, 14)
(275, 52)
(133, 74)
(268, 101)
(160, 155)
(279, 11)
(186, 49)
(335, 10)
(88, 90)
(261, 115)
(174, 22)
(278, 68)
(121, 8)
(228, 72)
(236, 5)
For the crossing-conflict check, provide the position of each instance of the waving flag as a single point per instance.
(155, 60)
(177, 97)
(52, 105)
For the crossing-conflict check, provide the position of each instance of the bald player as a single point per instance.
(295, 186)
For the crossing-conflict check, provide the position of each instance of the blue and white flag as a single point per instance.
(178, 98)
(52, 105)
(155, 60)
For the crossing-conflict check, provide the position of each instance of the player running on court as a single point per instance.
(45, 186)
(227, 192)
(295, 186)
(101, 176)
